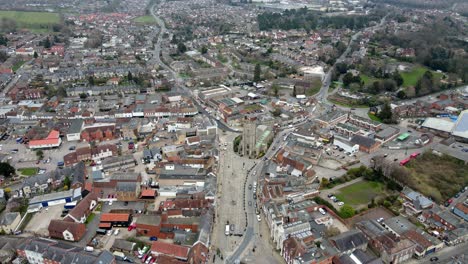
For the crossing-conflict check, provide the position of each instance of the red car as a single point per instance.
(450, 200)
(131, 227)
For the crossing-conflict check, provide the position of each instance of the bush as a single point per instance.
(346, 211)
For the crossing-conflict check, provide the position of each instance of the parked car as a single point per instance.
(153, 238)
(434, 259)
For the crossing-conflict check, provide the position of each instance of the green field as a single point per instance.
(410, 78)
(35, 21)
(17, 66)
(367, 79)
(374, 117)
(28, 171)
(145, 19)
(360, 193)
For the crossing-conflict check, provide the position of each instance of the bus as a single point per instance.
(414, 155)
(405, 161)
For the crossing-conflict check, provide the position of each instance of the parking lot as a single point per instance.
(40, 221)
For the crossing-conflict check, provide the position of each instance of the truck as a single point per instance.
(119, 255)
(227, 231)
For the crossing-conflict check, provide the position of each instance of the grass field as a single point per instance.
(374, 117)
(437, 177)
(145, 19)
(410, 78)
(367, 79)
(360, 193)
(28, 171)
(35, 21)
(17, 66)
(315, 87)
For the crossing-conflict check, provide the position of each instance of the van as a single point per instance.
(89, 249)
(322, 211)
(227, 230)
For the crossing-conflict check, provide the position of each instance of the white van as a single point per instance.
(322, 211)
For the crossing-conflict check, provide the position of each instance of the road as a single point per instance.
(179, 86)
(455, 255)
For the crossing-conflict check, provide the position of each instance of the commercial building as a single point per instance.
(51, 199)
(109, 220)
(53, 140)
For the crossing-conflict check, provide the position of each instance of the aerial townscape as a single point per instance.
(234, 131)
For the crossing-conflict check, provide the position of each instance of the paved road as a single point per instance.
(456, 254)
(179, 86)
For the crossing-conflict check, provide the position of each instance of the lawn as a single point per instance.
(315, 87)
(36, 21)
(367, 79)
(90, 218)
(145, 19)
(360, 193)
(410, 78)
(28, 171)
(17, 66)
(437, 177)
(374, 117)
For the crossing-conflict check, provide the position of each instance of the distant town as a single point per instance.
(171, 132)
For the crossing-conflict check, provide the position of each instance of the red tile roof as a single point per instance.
(110, 217)
(104, 225)
(177, 251)
(148, 192)
(51, 139)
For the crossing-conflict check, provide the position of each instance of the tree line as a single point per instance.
(311, 20)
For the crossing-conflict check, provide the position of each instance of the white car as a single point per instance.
(259, 218)
(116, 232)
(340, 203)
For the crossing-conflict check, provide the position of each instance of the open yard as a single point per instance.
(437, 177)
(410, 78)
(145, 19)
(36, 21)
(360, 193)
(28, 171)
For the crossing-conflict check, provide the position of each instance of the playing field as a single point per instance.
(28, 171)
(40, 21)
(145, 19)
(360, 193)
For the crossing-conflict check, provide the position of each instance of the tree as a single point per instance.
(83, 95)
(181, 47)
(347, 211)
(47, 43)
(67, 182)
(129, 76)
(204, 50)
(275, 89)
(91, 80)
(347, 79)
(401, 94)
(332, 231)
(35, 55)
(257, 73)
(397, 78)
(39, 154)
(6, 169)
(386, 113)
(324, 183)
(276, 112)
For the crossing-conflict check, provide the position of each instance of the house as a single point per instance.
(461, 210)
(40, 250)
(150, 225)
(53, 140)
(9, 222)
(349, 241)
(127, 191)
(331, 119)
(74, 131)
(124, 246)
(83, 209)
(366, 144)
(414, 202)
(66, 230)
(109, 220)
(172, 250)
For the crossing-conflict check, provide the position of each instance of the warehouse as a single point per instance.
(51, 199)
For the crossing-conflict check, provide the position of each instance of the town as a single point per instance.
(206, 131)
